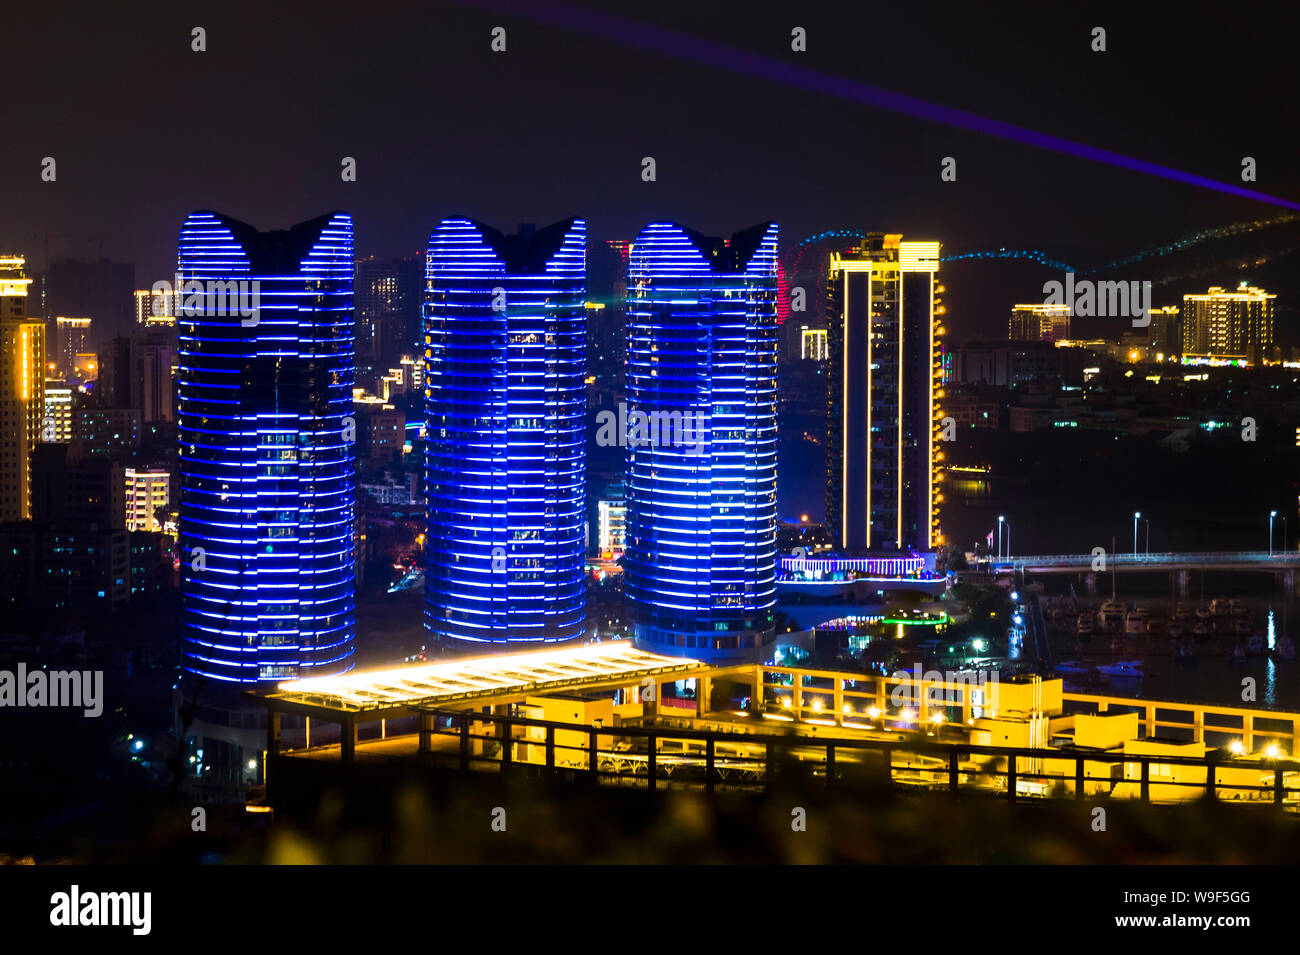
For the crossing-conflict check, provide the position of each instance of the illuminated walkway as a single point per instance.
(602, 713)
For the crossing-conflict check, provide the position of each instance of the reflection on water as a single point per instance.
(967, 488)
(1215, 672)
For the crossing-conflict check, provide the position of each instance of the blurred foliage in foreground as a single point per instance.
(447, 818)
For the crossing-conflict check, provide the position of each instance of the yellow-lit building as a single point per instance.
(569, 744)
(1165, 333)
(147, 489)
(56, 425)
(154, 310)
(612, 527)
(1223, 327)
(406, 378)
(413, 371)
(884, 422)
(85, 367)
(71, 339)
(1039, 323)
(812, 343)
(22, 390)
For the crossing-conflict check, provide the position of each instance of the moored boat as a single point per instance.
(1123, 669)
(1111, 614)
(1071, 666)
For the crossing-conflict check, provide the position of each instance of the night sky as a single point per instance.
(144, 130)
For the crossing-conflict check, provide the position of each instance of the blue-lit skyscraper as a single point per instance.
(700, 562)
(264, 402)
(505, 326)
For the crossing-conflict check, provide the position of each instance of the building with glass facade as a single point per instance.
(884, 390)
(267, 471)
(701, 335)
(505, 327)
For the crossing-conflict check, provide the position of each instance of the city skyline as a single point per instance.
(696, 432)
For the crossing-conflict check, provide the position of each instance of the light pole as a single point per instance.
(1271, 515)
(1001, 520)
(1136, 516)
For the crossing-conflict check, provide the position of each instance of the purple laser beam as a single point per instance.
(657, 39)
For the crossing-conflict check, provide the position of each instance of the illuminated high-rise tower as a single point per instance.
(883, 423)
(1165, 333)
(22, 390)
(700, 563)
(505, 327)
(264, 405)
(72, 338)
(1229, 325)
(1039, 323)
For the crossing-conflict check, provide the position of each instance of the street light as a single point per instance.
(1271, 515)
(1001, 520)
(1136, 516)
